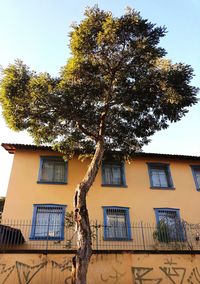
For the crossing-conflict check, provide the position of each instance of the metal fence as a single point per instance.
(20, 235)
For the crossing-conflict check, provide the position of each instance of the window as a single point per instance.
(196, 175)
(52, 170)
(48, 222)
(169, 226)
(160, 176)
(117, 223)
(113, 174)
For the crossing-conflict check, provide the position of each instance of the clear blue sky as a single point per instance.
(36, 31)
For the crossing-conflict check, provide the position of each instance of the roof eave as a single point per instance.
(11, 148)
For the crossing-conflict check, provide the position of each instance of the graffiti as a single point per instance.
(194, 277)
(57, 269)
(26, 272)
(140, 275)
(5, 272)
(173, 273)
(115, 276)
(64, 266)
(169, 262)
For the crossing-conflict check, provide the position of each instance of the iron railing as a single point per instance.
(19, 235)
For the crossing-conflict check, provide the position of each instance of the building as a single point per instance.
(145, 219)
(150, 189)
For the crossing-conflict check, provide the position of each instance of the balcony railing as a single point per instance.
(141, 236)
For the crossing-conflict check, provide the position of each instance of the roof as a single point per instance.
(11, 148)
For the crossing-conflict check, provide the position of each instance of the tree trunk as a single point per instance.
(81, 260)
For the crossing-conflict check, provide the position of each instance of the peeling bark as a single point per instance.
(81, 260)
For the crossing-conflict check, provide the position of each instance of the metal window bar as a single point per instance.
(116, 224)
(47, 222)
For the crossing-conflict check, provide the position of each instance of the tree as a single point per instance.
(2, 202)
(115, 91)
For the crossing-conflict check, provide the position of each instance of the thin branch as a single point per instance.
(86, 132)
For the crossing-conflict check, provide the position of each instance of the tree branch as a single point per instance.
(86, 132)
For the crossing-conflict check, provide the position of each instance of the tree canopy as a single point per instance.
(116, 90)
(117, 84)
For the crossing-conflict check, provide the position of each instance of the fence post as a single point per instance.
(143, 241)
(96, 226)
(47, 241)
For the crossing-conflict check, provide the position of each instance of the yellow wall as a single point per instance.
(23, 190)
(104, 268)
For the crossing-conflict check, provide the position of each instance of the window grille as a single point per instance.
(117, 223)
(48, 222)
(168, 220)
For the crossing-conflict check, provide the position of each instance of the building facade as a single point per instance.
(151, 189)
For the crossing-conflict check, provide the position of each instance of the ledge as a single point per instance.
(162, 188)
(117, 240)
(114, 185)
(50, 182)
(15, 251)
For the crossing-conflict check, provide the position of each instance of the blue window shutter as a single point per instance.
(169, 177)
(150, 174)
(105, 222)
(123, 173)
(128, 223)
(63, 223)
(33, 222)
(40, 169)
(195, 170)
(103, 173)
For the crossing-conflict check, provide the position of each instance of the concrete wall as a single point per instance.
(23, 190)
(104, 268)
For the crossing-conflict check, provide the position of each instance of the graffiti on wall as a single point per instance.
(5, 272)
(115, 276)
(142, 275)
(58, 270)
(170, 270)
(26, 273)
(64, 266)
